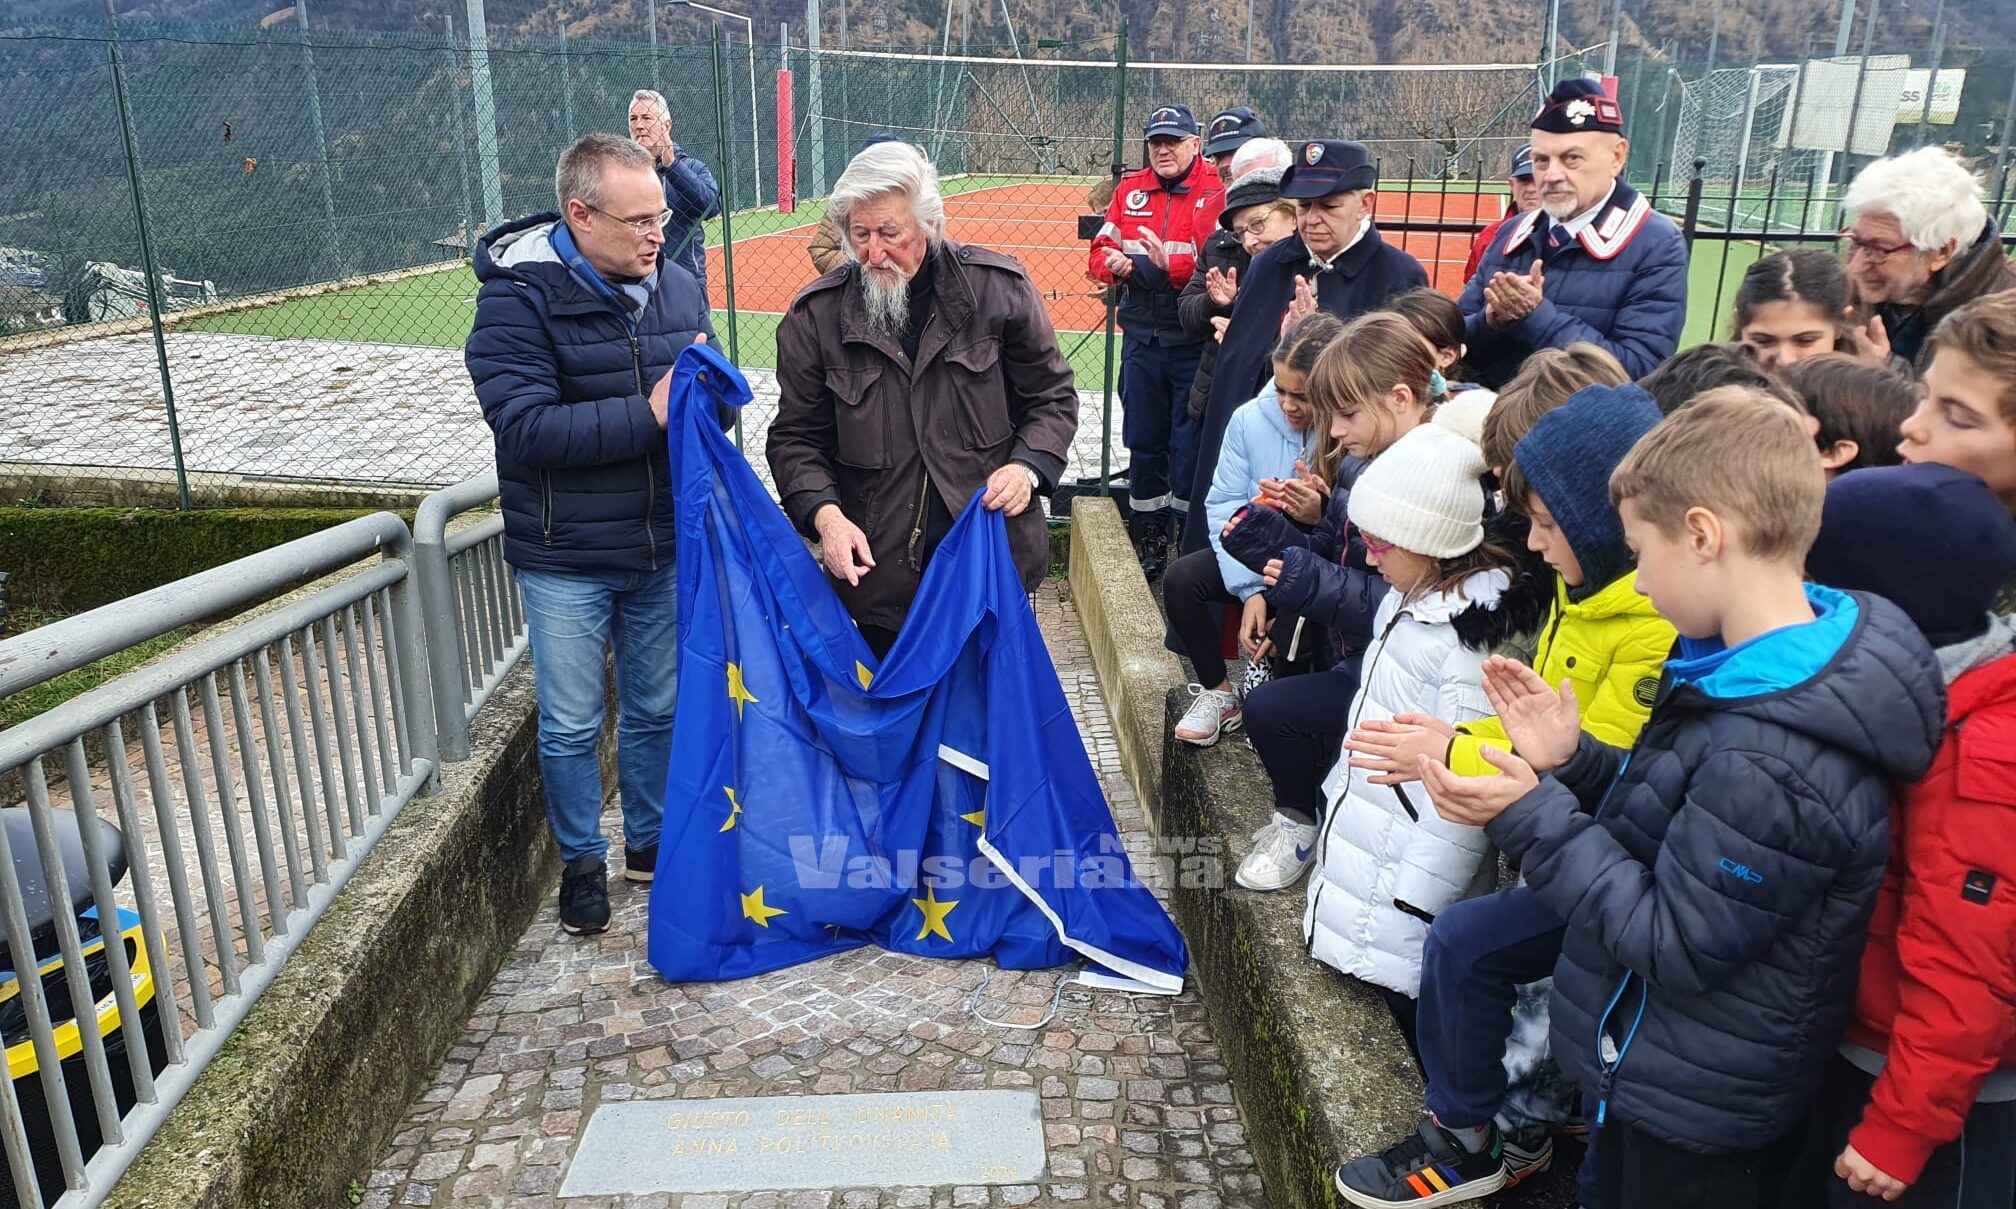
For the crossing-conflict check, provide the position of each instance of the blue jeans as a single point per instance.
(574, 619)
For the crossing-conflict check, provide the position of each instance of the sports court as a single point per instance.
(1037, 223)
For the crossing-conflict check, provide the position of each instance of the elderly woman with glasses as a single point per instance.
(1254, 218)
(1919, 244)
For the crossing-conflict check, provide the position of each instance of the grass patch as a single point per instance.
(33, 702)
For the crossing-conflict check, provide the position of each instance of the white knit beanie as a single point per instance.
(1423, 494)
(1464, 412)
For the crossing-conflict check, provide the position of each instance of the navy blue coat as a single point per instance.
(564, 380)
(1324, 576)
(1718, 896)
(1361, 280)
(1622, 286)
(693, 196)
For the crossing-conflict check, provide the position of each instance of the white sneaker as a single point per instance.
(1214, 711)
(1282, 852)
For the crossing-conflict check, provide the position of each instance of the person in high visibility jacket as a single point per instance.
(1158, 217)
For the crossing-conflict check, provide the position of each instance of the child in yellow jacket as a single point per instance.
(1605, 639)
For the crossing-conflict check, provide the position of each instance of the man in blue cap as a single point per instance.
(1334, 262)
(1595, 263)
(1525, 195)
(1227, 132)
(1148, 246)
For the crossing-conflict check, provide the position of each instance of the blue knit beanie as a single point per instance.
(1567, 458)
(1936, 541)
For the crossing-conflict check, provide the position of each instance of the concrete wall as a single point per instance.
(309, 1091)
(1123, 626)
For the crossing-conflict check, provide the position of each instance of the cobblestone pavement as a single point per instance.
(1136, 1108)
(287, 408)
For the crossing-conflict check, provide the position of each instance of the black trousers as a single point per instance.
(1191, 587)
(1977, 1170)
(1296, 724)
(1635, 1170)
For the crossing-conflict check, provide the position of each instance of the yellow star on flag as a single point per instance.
(753, 908)
(737, 691)
(934, 913)
(862, 673)
(734, 807)
(978, 818)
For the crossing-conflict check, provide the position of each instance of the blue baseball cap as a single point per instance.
(1173, 120)
(1326, 166)
(1522, 162)
(1232, 129)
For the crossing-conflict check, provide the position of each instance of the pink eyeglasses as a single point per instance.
(1373, 545)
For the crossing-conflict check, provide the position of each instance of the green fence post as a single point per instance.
(471, 226)
(721, 142)
(1119, 160)
(332, 248)
(148, 267)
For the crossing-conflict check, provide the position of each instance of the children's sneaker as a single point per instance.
(1428, 1168)
(1523, 1161)
(1214, 712)
(1282, 852)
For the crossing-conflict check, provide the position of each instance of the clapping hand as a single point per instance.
(1299, 307)
(1153, 247)
(1119, 264)
(1511, 297)
(1475, 801)
(1544, 726)
(1222, 285)
(1395, 748)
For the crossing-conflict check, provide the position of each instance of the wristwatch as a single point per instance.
(1035, 480)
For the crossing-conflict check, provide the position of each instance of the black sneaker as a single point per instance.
(1428, 1168)
(639, 863)
(584, 896)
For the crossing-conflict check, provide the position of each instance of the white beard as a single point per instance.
(887, 303)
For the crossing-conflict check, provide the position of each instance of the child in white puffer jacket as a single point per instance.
(1385, 861)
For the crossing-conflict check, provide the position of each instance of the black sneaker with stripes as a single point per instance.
(1429, 1167)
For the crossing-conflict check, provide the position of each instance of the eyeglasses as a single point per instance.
(642, 226)
(1373, 545)
(1257, 229)
(1875, 253)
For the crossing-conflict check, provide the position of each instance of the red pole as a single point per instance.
(787, 163)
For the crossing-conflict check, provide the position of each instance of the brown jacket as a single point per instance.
(1978, 270)
(859, 425)
(825, 250)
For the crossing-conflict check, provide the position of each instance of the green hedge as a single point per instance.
(66, 560)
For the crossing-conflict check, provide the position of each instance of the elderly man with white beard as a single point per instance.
(918, 373)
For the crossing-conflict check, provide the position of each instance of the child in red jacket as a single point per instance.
(1920, 1107)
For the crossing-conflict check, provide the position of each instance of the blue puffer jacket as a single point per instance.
(1324, 575)
(1718, 895)
(1622, 285)
(693, 197)
(564, 378)
(1259, 444)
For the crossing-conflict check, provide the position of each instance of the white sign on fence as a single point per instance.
(1945, 96)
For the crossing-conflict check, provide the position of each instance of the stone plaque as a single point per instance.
(901, 1139)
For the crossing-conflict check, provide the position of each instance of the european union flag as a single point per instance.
(938, 803)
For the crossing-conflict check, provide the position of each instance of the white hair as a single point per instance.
(1934, 198)
(1260, 153)
(886, 168)
(657, 100)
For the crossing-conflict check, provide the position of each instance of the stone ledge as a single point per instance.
(1318, 1065)
(1123, 628)
(309, 1090)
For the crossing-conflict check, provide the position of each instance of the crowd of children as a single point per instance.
(1748, 797)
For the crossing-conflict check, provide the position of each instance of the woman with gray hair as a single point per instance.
(918, 374)
(1919, 245)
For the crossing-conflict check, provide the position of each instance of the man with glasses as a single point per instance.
(1919, 244)
(579, 317)
(691, 193)
(1335, 261)
(1593, 264)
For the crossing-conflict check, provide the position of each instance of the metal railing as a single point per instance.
(476, 619)
(298, 733)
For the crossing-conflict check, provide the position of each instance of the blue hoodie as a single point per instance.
(1717, 881)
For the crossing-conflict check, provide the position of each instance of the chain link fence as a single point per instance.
(288, 318)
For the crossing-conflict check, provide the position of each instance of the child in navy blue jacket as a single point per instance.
(1717, 879)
